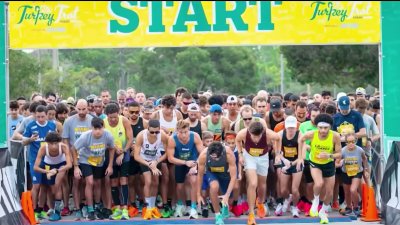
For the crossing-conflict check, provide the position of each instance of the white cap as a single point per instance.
(193, 107)
(290, 121)
(340, 94)
(360, 91)
(232, 99)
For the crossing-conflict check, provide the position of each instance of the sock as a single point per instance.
(316, 199)
(141, 202)
(38, 209)
(97, 205)
(234, 203)
(165, 206)
(279, 200)
(217, 213)
(179, 202)
(81, 205)
(148, 201)
(153, 201)
(169, 202)
(115, 195)
(188, 202)
(124, 196)
(194, 205)
(90, 208)
(325, 207)
(133, 204)
(57, 205)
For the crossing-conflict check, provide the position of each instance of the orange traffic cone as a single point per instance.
(27, 207)
(372, 213)
(364, 197)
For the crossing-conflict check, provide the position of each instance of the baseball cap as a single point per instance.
(340, 94)
(158, 102)
(71, 101)
(148, 107)
(232, 99)
(215, 108)
(275, 105)
(193, 107)
(290, 121)
(360, 91)
(344, 103)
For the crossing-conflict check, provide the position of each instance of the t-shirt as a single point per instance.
(42, 132)
(74, 127)
(304, 128)
(92, 150)
(352, 161)
(12, 123)
(350, 123)
(24, 123)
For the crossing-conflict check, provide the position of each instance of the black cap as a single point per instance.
(275, 105)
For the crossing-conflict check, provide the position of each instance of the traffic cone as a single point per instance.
(372, 213)
(364, 197)
(27, 207)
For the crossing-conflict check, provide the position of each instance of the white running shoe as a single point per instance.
(179, 211)
(286, 204)
(295, 212)
(193, 214)
(278, 210)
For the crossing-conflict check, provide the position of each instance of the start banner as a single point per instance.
(102, 24)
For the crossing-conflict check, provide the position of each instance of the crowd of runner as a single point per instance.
(185, 154)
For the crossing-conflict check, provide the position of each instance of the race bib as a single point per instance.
(256, 151)
(290, 152)
(150, 152)
(220, 169)
(184, 155)
(94, 160)
(352, 169)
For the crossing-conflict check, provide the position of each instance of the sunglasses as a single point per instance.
(231, 104)
(247, 118)
(154, 132)
(134, 112)
(186, 103)
(351, 142)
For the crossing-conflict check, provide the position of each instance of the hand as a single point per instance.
(286, 162)
(366, 174)
(190, 163)
(323, 155)
(119, 159)
(118, 151)
(34, 137)
(51, 173)
(77, 173)
(152, 164)
(156, 172)
(224, 200)
(239, 177)
(193, 171)
(109, 171)
(278, 160)
(299, 164)
(200, 200)
(368, 146)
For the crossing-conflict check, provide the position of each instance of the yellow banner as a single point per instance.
(40, 24)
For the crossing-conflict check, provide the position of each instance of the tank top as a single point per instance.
(184, 115)
(218, 167)
(197, 128)
(273, 122)
(170, 125)
(54, 160)
(318, 146)
(137, 128)
(118, 132)
(259, 149)
(186, 151)
(151, 151)
(215, 128)
(290, 148)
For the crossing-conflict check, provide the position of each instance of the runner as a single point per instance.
(255, 158)
(196, 125)
(233, 114)
(325, 147)
(13, 118)
(217, 123)
(275, 115)
(246, 118)
(186, 101)
(56, 162)
(150, 144)
(105, 97)
(183, 150)
(219, 163)
(89, 161)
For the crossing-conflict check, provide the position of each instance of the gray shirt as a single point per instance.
(370, 125)
(74, 127)
(92, 150)
(24, 123)
(352, 161)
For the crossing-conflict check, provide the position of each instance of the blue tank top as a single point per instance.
(185, 151)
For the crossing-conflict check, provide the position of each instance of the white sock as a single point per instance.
(148, 201)
(316, 199)
(325, 207)
(153, 201)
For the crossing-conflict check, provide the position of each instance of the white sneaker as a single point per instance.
(314, 209)
(323, 217)
(286, 204)
(295, 212)
(187, 211)
(342, 207)
(329, 209)
(278, 210)
(193, 214)
(179, 211)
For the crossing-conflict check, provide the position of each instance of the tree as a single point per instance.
(350, 64)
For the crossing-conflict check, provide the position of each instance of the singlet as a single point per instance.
(184, 115)
(137, 128)
(290, 148)
(215, 128)
(236, 119)
(197, 129)
(118, 132)
(220, 167)
(186, 151)
(151, 151)
(273, 122)
(170, 125)
(259, 149)
(54, 160)
(318, 146)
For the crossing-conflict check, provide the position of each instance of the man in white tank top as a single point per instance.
(152, 144)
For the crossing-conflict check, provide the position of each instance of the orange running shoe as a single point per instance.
(144, 209)
(260, 210)
(335, 206)
(155, 213)
(147, 214)
(132, 211)
(251, 220)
